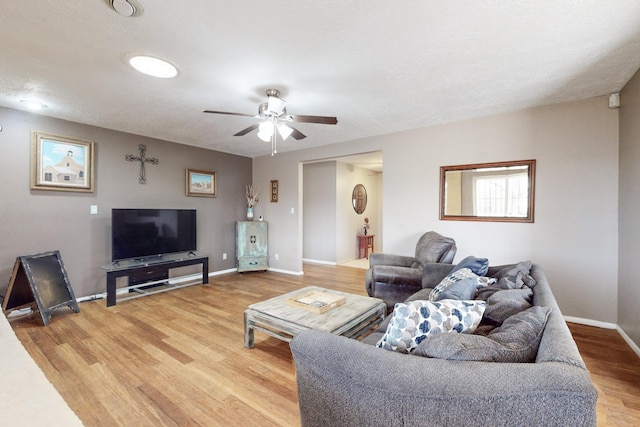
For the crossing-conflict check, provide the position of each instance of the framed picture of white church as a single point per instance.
(61, 163)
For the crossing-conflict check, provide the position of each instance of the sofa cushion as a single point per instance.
(479, 266)
(464, 289)
(515, 276)
(517, 340)
(505, 303)
(413, 321)
(449, 280)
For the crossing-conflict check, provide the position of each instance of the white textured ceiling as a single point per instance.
(379, 66)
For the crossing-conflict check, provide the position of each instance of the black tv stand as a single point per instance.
(142, 274)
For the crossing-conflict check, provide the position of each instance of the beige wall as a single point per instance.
(350, 223)
(576, 148)
(33, 221)
(629, 284)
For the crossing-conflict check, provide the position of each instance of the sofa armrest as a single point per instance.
(391, 260)
(392, 284)
(346, 382)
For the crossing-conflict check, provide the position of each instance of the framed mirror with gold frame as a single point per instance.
(499, 191)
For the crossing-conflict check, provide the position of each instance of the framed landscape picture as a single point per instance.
(201, 183)
(61, 163)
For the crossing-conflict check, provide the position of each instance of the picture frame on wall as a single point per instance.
(274, 191)
(61, 163)
(201, 183)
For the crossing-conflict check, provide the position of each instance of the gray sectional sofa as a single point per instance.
(346, 382)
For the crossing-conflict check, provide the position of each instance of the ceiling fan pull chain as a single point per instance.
(274, 150)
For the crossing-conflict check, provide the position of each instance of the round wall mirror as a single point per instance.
(359, 198)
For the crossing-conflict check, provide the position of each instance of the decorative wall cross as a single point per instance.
(142, 159)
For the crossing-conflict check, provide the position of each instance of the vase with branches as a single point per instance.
(252, 199)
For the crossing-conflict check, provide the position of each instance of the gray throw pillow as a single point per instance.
(517, 340)
(505, 303)
(515, 276)
(464, 289)
(479, 266)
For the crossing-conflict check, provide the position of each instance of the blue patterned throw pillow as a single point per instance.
(451, 278)
(413, 321)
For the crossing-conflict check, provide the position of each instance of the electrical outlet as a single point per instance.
(276, 257)
(224, 255)
(93, 210)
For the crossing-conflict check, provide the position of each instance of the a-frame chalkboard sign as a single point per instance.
(41, 280)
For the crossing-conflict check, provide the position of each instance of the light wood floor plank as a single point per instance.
(178, 358)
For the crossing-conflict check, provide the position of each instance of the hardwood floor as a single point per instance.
(615, 371)
(177, 358)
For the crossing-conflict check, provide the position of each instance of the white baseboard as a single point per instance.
(318, 261)
(91, 297)
(626, 337)
(218, 273)
(293, 273)
(589, 322)
(605, 325)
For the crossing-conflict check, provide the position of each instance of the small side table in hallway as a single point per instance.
(364, 243)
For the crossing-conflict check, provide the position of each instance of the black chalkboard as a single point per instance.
(40, 280)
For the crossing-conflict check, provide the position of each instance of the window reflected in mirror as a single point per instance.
(501, 191)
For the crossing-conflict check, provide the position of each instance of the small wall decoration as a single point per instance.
(201, 183)
(142, 158)
(61, 163)
(274, 191)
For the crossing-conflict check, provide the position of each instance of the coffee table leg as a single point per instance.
(248, 330)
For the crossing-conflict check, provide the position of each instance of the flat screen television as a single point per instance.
(144, 233)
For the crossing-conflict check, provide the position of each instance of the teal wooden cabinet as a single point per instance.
(252, 246)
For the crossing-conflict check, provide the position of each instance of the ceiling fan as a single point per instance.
(275, 120)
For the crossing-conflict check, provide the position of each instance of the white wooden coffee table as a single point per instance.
(277, 318)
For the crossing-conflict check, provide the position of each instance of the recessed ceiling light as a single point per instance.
(123, 7)
(155, 67)
(33, 105)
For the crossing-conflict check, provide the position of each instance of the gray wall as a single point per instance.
(576, 212)
(628, 283)
(33, 221)
(320, 211)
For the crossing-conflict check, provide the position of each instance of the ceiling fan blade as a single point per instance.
(296, 134)
(315, 119)
(228, 113)
(246, 130)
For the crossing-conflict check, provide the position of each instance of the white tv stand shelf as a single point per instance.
(145, 272)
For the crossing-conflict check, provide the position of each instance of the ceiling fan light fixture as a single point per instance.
(266, 127)
(275, 105)
(153, 66)
(284, 131)
(266, 137)
(265, 130)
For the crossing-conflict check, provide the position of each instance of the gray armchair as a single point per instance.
(394, 278)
